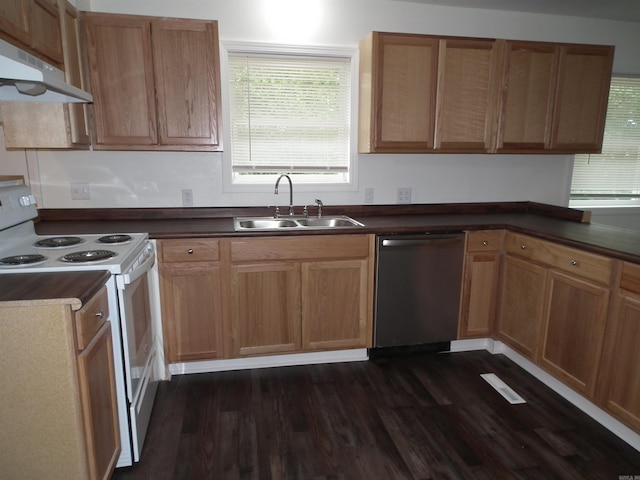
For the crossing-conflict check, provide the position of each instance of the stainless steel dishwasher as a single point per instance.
(418, 282)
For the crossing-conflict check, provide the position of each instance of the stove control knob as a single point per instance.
(27, 200)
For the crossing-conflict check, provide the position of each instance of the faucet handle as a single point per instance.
(277, 213)
(305, 211)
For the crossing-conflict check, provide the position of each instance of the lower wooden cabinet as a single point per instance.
(619, 377)
(265, 308)
(59, 412)
(521, 305)
(99, 407)
(480, 284)
(301, 293)
(191, 299)
(335, 306)
(575, 318)
(255, 296)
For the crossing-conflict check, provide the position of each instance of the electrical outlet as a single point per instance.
(80, 191)
(368, 195)
(187, 197)
(404, 194)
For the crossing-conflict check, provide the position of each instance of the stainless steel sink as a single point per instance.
(270, 223)
(329, 222)
(264, 223)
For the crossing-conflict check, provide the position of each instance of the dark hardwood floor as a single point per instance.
(427, 416)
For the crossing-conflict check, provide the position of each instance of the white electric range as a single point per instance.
(129, 258)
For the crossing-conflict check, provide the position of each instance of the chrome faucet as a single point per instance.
(290, 192)
(319, 203)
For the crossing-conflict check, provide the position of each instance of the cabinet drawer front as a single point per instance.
(192, 250)
(90, 318)
(571, 260)
(630, 279)
(484, 241)
(298, 248)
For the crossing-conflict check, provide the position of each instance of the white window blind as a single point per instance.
(289, 113)
(614, 173)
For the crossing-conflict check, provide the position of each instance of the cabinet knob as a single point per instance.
(523, 247)
(485, 243)
(100, 314)
(190, 251)
(573, 262)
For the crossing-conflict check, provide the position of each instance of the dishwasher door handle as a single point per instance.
(418, 241)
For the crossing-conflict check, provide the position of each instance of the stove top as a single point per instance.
(30, 252)
(21, 248)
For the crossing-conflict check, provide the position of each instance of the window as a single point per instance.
(613, 177)
(290, 113)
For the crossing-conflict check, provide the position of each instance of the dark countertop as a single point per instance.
(557, 224)
(67, 287)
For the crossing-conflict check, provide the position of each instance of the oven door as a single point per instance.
(137, 327)
(138, 344)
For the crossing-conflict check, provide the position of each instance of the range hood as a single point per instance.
(25, 78)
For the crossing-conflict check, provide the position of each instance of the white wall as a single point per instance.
(147, 179)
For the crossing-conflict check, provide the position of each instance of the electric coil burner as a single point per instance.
(88, 256)
(57, 242)
(120, 238)
(17, 260)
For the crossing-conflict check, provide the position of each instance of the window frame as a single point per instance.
(603, 202)
(266, 182)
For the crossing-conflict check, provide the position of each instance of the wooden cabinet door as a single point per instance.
(122, 82)
(521, 305)
(480, 284)
(619, 389)
(335, 304)
(192, 311)
(526, 101)
(265, 309)
(467, 95)
(14, 19)
(45, 29)
(186, 65)
(99, 408)
(575, 317)
(582, 95)
(398, 79)
(78, 127)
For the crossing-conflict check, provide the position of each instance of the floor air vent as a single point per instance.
(502, 388)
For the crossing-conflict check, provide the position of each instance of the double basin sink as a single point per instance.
(303, 223)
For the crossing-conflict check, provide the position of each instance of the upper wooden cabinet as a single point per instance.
(420, 93)
(14, 19)
(584, 75)
(467, 87)
(526, 102)
(155, 82)
(398, 79)
(52, 125)
(35, 24)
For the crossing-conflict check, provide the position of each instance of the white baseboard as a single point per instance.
(334, 356)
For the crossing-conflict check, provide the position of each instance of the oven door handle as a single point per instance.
(137, 271)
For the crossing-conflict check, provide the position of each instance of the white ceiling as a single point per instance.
(626, 10)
